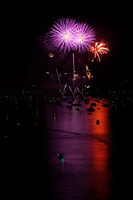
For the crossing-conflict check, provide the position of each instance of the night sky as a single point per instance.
(25, 57)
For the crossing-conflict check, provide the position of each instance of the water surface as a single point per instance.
(34, 136)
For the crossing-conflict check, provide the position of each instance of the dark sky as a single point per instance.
(24, 25)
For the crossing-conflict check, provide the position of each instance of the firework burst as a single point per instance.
(66, 34)
(84, 37)
(99, 48)
(62, 34)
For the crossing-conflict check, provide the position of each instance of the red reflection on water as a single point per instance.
(85, 173)
(100, 152)
(102, 114)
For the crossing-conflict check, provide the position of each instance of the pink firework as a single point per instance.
(62, 34)
(66, 34)
(84, 37)
(99, 48)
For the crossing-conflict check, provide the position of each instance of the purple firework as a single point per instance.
(63, 33)
(68, 35)
(84, 37)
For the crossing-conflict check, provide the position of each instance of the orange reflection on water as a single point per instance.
(102, 114)
(100, 149)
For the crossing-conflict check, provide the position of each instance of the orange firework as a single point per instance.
(88, 73)
(99, 48)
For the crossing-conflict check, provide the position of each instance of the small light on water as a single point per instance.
(63, 162)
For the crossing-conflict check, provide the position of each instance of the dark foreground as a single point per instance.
(97, 156)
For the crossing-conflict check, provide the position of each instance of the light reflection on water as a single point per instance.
(89, 168)
(85, 173)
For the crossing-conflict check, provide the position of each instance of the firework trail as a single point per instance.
(99, 48)
(88, 73)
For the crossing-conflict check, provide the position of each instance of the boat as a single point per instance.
(60, 156)
(93, 104)
(76, 104)
(69, 106)
(91, 109)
